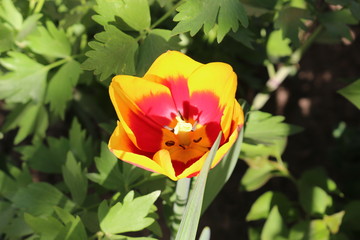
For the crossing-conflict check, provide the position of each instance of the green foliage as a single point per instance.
(58, 180)
(352, 93)
(227, 15)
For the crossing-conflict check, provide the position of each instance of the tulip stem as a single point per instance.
(182, 194)
(276, 78)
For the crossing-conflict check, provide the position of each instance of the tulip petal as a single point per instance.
(216, 78)
(143, 108)
(162, 157)
(123, 148)
(171, 65)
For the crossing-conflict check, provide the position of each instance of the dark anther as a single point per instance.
(197, 140)
(182, 146)
(169, 143)
(181, 116)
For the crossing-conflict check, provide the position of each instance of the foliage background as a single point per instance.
(58, 56)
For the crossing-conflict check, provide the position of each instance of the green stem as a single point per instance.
(39, 6)
(182, 195)
(283, 72)
(167, 14)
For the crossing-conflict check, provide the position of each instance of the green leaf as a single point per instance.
(314, 199)
(274, 228)
(108, 165)
(39, 199)
(290, 20)
(10, 14)
(25, 81)
(264, 128)
(257, 176)
(7, 37)
(8, 186)
(60, 89)
(113, 53)
(47, 227)
(30, 118)
(194, 14)
(191, 217)
(352, 93)
(334, 221)
(355, 9)
(156, 43)
(219, 175)
(28, 27)
(352, 215)
(50, 41)
(7, 213)
(38, 154)
(81, 146)
(260, 209)
(75, 179)
(135, 13)
(278, 46)
(336, 23)
(73, 230)
(314, 230)
(129, 216)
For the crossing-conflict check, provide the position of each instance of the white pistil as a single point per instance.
(182, 126)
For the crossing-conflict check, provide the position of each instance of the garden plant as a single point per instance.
(127, 119)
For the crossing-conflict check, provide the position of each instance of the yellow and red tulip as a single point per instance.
(170, 117)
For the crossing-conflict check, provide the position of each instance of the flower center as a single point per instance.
(183, 132)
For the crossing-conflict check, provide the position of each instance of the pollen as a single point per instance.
(182, 126)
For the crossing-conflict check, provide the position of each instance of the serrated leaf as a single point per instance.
(26, 79)
(80, 145)
(73, 230)
(75, 179)
(194, 14)
(39, 199)
(47, 227)
(50, 41)
(8, 186)
(60, 88)
(290, 21)
(108, 165)
(135, 13)
(113, 53)
(274, 228)
(10, 14)
(28, 27)
(129, 216)
(38, 154)
(352, 93)
(156, 43)
(30, 118)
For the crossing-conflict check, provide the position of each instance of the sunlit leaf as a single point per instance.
(113, 53)
(129, 216)
(26, 79)
(135, 13)
(50, 41)
(194, 14)
(310, 230)
(334, 221)
(10, 14)
(274, 227)
(256, 176)
(352, 93)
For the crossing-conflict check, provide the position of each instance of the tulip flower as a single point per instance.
(169, 118)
